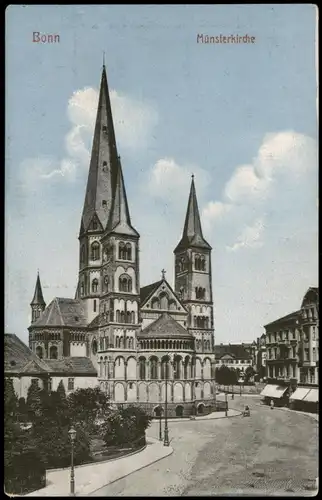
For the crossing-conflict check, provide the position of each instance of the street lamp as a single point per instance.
(160, 423)
(226, 408)
(166, 430)
(72, 435)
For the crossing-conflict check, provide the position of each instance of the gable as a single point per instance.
(162, 297)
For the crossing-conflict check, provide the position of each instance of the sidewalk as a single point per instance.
(91, 477)
(210, 416)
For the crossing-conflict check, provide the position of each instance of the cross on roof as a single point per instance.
(163, 273)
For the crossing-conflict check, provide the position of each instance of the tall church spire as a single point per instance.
(192, 232)
(38, 299)
(103, 163)
(120, 220)
(37, 304)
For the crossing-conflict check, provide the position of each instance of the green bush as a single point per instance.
(124, 426)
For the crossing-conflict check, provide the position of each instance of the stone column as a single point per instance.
(159, 369)
(125, 370)
(147, 370)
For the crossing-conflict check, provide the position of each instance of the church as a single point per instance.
(142, 341)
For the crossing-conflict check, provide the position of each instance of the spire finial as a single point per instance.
(163, 273)
(38, 271)
(192, 176)
(103, 59)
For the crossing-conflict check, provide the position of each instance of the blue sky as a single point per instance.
(242, 118)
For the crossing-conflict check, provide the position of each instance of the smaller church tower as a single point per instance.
(37, 304)
(193, 276)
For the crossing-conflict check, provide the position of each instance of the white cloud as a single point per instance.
(283, 160)
(169, 181)
(282, 153)
(250, 237)
(133, 120)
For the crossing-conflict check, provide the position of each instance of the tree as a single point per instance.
(10, 399)
(249, 373)
(87, 405)
(61, 390)
(233, 376)
(124, 426)
(34, 406)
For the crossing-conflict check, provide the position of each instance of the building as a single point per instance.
(261, 356)
(24, 367)
(135, 336)
(293, 353)
(235, 356)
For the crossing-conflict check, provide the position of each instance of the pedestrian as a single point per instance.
(272, 404)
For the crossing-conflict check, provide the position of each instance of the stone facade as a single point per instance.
(135, 336)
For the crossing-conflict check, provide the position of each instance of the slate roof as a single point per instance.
(165, 327)
(148, 290)
(95, 323)
(101, 183)
(237, 351)
(289, 318)
(72, 365)
(192, 231)
(38, 298)
(63, 312)
(18, 357)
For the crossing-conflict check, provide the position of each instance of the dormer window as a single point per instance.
(104, 203)
(104, 166)
(94, 224)
(104, 128)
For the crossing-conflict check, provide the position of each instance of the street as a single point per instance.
(270, 452)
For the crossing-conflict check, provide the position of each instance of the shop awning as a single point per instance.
(300, 393)
(312, 396)
(279, 391)
(273, 391)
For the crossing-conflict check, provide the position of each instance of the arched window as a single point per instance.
(39, 352)
(132, 317)
(182, 264)
(94, 347)
(101, 344)
(53, 352)
(104, 166)
(117, 342)
(128, 317)
(128, 251)
(122, 317)
(172, 305)
(142, 368)
(95, 285)
(197, 262)
(122, 251)
(153, 368)
(177, 369)
(202, 263)
(125, 283)
(94, 225)
(82, 289)
(95, 251)
(164, 301)
(165, 368)
(82, 254)
(155, 304)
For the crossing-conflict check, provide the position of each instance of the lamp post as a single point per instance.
(160, 423)
(72, 435)
(226, 408)
(166, 430)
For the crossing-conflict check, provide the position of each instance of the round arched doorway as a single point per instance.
(201, 408)
(179, 411)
